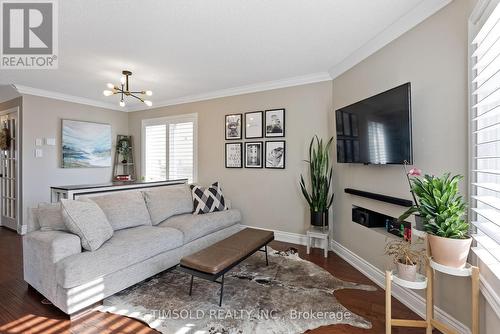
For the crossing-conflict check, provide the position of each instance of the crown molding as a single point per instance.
(253, 88)
(65, 97)
(406, 22)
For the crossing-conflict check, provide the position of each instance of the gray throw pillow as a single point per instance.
(124, 209)
(168, 201)
(50, 217)
(86, 220)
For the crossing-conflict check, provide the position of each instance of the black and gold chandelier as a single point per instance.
(125, 91)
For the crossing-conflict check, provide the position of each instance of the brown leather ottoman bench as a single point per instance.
(216, 260)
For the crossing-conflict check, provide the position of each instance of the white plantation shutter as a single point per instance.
(170, 148)
(485, 136)
(156, 152)
(181, 150)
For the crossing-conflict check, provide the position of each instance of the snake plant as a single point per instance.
(319, 197)
(440, 205)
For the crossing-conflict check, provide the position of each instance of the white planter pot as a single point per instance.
(449, 252)
(407, 272)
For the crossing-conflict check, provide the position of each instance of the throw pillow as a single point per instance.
(88, 221)
(124, 209)
(50, 217)
(165, 202)
(207, 200)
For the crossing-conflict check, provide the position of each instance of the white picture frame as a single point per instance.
(254, 124)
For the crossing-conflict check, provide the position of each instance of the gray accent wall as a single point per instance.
(42, 119)
(433, 56)
(268, 198)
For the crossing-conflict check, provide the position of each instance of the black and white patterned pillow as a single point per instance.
(207, 200)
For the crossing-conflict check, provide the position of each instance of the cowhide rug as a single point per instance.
(291, 295)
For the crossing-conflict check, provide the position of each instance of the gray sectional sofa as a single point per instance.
(149, 237)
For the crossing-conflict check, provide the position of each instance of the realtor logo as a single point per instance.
(29, 34)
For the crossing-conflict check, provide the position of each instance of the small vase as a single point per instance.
(407, 272)
(124, 161)
(319, 218)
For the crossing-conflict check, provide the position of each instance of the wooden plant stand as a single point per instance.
(420, 284)
(427, 282)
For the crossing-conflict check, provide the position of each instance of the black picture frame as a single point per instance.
(283, 159)
(226, 124)
(241, 155)
(270, 129)
(247, 114)
(260, 154)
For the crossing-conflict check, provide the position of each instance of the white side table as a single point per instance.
(318, 233)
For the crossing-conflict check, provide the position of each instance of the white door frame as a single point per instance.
(18, 143)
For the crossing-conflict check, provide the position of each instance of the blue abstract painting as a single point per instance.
(85, 144)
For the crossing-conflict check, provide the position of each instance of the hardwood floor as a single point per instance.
(21, 310)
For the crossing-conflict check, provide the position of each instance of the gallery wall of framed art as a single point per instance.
(255, 154)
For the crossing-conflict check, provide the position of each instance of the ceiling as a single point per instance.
(186, 50)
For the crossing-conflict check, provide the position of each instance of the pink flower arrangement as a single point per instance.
(415, 172)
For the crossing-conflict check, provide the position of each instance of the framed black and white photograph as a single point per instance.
(275, 154)
(275, 123)
(234, 155)
(233, 126)
(253, 154)
(254, 124)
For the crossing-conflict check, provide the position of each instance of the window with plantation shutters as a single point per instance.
(169, 146)
(485, 137)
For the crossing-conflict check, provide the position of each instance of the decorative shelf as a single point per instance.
(462, 272)
(380, 197)
(419, 284)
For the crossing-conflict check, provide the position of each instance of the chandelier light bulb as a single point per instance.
(125, 92)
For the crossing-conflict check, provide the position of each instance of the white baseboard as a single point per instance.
(413, 301)
(293, 238)
(408, 297)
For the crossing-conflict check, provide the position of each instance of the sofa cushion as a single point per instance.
(50, 217)
(124, 209)
(197, 226)
(127, 247)
(168, 201)
(86, 220)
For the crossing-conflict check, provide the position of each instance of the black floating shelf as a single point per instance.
(379, 197)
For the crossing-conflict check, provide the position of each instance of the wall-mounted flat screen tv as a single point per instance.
(376, 130)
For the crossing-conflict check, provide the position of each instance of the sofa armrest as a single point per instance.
(52, 245)
(41, 251)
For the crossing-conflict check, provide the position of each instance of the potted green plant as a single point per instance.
(124, 149)
(442, 209)
(406, 256)
(319, 196)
